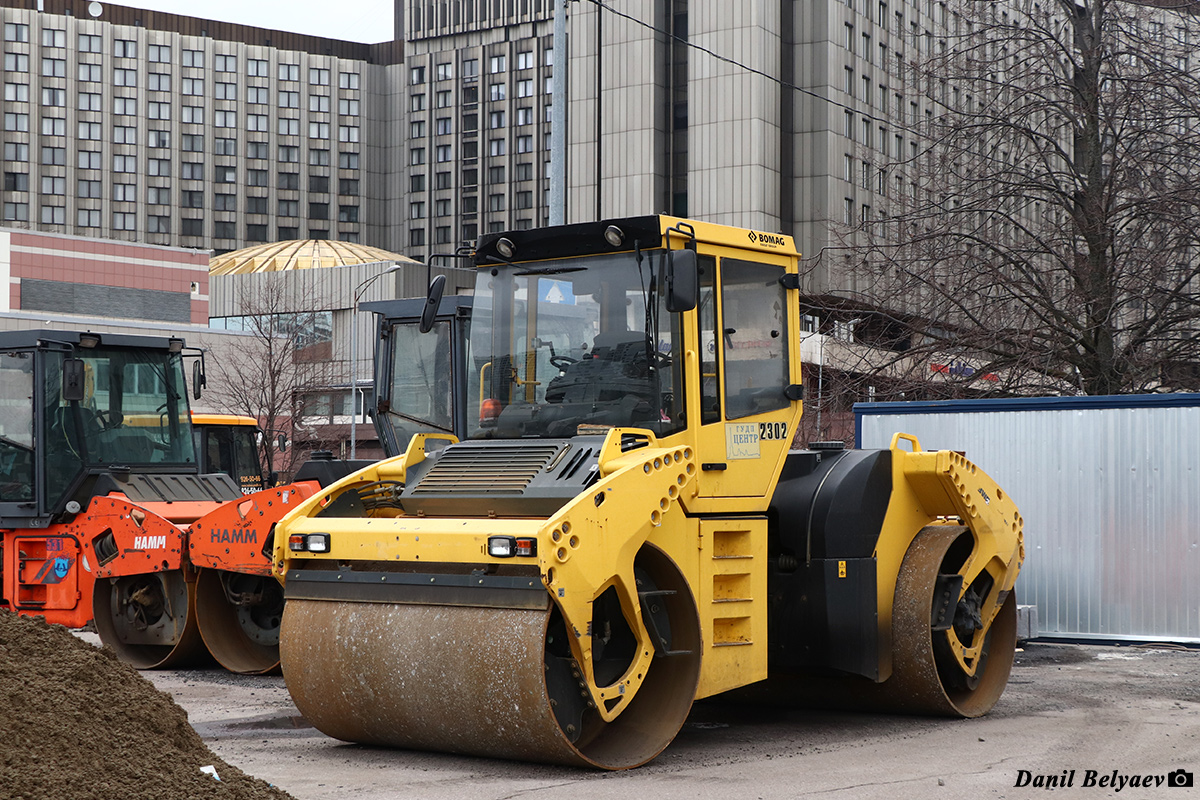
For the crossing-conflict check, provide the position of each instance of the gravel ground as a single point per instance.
(1080, 708)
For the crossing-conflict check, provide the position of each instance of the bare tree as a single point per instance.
(1048, 235)
(270, 373)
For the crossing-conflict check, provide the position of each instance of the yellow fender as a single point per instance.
(590, 545)
(391, 469)
(946, 485)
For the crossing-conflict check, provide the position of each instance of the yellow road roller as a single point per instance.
(626, 528)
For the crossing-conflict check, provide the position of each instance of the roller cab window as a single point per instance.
(233, 450)
(133, 410)
(575, 346)
(16, 427)
(754, 342)
(421, 399)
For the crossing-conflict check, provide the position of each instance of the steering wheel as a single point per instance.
(561, 362)
(108, 419)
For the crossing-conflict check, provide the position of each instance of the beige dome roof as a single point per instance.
(298, 254)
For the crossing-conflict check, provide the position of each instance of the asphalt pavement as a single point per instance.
(1076, 720)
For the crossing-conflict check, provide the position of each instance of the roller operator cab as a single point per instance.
(420, 378)
(625, 527)
(73, 405)
(94, 430)
(229, 443)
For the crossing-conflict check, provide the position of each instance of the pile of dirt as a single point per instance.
(77, 723)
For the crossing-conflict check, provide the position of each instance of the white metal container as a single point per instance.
(1110, 491)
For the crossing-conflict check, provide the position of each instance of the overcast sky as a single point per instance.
(367, 21)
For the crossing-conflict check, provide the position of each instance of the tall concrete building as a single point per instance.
(472, 152)
(137, 125)
(769, 114)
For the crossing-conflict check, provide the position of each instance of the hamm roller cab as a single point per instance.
(117, 504)
(109, 511)
(625, 527)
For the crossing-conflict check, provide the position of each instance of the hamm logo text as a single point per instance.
(149, 542)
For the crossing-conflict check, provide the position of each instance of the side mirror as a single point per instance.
(73, 379)
(199, 381)
(683, 281)
(437, 287)
(282, 442)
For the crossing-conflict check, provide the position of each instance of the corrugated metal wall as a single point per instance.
(1110, 492)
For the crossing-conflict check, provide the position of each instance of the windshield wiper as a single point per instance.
(549, 271)
(420, 421)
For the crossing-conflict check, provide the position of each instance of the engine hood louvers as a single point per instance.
(502, 477)
(506, 468)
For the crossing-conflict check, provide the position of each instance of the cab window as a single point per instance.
(16, 427)
(753, 338)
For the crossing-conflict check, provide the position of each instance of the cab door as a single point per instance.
(745, 363)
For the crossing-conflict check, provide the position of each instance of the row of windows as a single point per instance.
(470, 149)
(90, 217)
(192, 143)
(161, 82)
(90, 101)
(444, 207)
(125, 192)
(127, 221)
(470, 67)
(255, 123)
(161, 54)
(470, 231)
(470, 177)
(495, 176)
(444, 126)
(470, 94)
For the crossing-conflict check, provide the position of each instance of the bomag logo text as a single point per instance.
(149, 542)
(235, 536)
(767, 239)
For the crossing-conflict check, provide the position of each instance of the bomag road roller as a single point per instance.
(625, 527)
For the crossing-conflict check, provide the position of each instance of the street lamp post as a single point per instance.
(358, 293)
